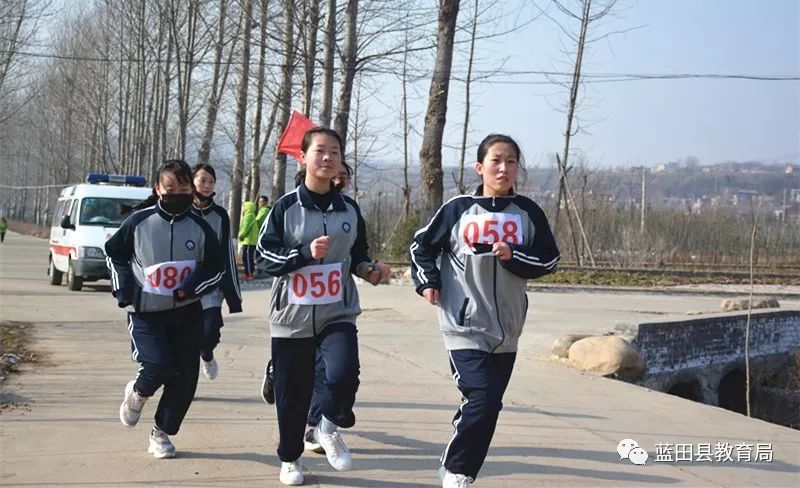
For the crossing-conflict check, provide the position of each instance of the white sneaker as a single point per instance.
(131, 408)
(292, 473)
(335, 449)
(160, 445)
(310, 443)
(453, 480)
(210, 369)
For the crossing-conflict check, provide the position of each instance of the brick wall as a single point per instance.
(677, 345)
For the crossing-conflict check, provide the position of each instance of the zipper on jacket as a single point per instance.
(314, 307)
(278, 298)
(171, 235)
(492, 201)
(497, 309)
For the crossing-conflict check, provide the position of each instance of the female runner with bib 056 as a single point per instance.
(163, 258)
(314, 238)
(490, 243)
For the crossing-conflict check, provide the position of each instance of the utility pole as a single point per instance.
(644, 196)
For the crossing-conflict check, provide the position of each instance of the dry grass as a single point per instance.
(15, 339)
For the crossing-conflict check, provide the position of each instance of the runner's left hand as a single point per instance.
(501, 250)
(380, 273)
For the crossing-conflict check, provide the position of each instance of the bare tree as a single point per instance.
(327, 65)
(235, 201)
(310, 52)
(255, 164)
(406, 185)
(348, 69)
(436, 115)
(468, 85)
(584, 18)
(19, 25)
(284, 110)
(217, 87)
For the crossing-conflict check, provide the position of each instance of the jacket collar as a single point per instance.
(495, 203)
(337, 202)
(205, 210)
(168, 216)
(479, 193)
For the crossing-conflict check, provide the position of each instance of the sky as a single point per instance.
(653, 121)
(630, 123)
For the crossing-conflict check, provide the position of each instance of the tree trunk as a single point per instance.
(327, 67)
(348, 71)
(406, 186)
(235, 201)
(255, 163)
(468, 85)
(431, 189)
(573, 99)
(279, 174)
(309, 61)
(213, 98)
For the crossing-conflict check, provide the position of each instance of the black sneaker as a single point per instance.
(267, 388)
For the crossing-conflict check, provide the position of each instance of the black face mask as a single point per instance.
(176, 203)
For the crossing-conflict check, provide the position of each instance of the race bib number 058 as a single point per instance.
(163, 278)
(489, 228)
(316, 285)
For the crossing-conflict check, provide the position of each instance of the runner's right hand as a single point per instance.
(319, 247)
(432, 295)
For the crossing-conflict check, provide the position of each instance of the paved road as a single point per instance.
(559, 427)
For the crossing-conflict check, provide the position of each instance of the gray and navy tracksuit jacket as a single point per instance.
(284, 247)
(482, 301)
(228, 289)
(153, 254)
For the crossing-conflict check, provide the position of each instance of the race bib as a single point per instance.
(316, 285)
(163, 278)
(482, 230)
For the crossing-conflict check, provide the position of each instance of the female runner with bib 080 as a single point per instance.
(490, 243)
(163, 258)
(314, 238)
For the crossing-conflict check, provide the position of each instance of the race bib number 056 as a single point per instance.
(163, 278)
(489, 228)
(316, 285)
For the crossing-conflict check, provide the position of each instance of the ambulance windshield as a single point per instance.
(108, 212)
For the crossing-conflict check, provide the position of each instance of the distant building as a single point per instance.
(743, 197)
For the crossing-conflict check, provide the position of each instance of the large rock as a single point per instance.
(407, 273)
(740, 303)
(562, 343)
(607, 355)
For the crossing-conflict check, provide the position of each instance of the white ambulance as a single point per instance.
(85, 217)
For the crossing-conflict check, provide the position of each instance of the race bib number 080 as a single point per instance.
(316, 285)
(163, 278)
(489, 228)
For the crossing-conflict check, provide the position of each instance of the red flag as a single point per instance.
(292, 136)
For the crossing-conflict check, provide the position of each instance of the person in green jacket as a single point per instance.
(248, 236)
(3, 228)
(263, 211)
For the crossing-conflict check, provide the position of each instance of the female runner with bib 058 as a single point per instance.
(490, 243)
(163, 258)
(314, 238)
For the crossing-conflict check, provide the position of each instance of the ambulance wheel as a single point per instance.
(75, 283)
(53, 275)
